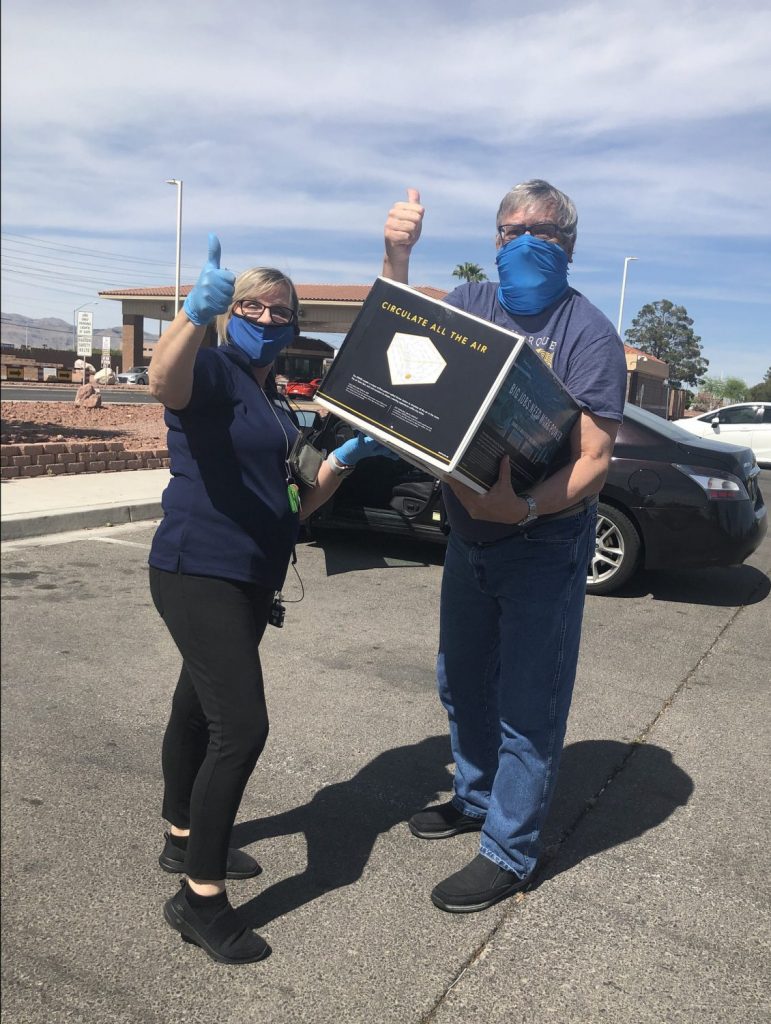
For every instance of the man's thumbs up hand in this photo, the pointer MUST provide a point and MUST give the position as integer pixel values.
(213, 291)
(403, 225)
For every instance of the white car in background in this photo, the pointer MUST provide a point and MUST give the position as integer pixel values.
(136, 375)
(746, 423)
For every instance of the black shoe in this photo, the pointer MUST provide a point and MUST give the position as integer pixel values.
(476, 887)
(240, 864)
(225, 938)
(442, 822)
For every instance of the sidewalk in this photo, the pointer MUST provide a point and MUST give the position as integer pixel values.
(43, 505)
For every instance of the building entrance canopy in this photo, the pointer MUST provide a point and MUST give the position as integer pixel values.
(324, 309)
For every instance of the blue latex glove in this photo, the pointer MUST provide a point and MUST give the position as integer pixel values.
(213, 291)
(361, 447)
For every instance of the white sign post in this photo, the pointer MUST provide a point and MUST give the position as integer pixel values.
(85, 338)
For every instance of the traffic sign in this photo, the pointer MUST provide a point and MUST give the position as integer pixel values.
(85, 347)
(85, 324)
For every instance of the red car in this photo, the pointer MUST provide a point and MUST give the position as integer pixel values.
(303, 388)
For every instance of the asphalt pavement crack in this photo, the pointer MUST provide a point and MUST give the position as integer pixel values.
(480, 951)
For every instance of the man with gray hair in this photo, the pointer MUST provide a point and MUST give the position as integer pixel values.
(514, 576)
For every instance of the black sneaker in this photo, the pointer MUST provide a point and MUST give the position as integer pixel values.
(225, 938)
(240, 865)
(442, 822)
(476, 887)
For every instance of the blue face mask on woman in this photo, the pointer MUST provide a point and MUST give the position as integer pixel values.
(533, 274)
(260, 342)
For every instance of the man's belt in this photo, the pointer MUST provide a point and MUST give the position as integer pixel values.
(581, 506)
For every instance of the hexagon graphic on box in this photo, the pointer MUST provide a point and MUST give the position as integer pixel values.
(413, 359)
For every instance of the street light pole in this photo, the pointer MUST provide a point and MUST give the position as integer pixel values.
(627, 261)
(178, 183)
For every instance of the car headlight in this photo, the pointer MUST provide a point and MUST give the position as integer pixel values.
(717, 487)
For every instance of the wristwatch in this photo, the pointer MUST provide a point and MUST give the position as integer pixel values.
(532, 510)
(337, 467)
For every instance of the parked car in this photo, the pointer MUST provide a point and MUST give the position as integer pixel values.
(671, 500)
(136, 375)
(745, 423)
(302, 388)
(308, 420)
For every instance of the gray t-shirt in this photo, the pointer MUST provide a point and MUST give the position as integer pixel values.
(576, 341)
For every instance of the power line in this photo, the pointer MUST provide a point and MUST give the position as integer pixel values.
(104, 254)
(34, 276)
(33, 324)
(27, 258)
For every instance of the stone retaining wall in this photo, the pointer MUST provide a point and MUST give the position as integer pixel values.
(58, 457)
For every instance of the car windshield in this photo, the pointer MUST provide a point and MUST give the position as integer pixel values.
(137, 369)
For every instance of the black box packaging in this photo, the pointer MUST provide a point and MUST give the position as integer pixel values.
(448, 391)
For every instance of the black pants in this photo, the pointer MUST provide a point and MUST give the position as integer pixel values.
(219, 720)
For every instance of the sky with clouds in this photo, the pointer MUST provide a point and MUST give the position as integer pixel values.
(294, 126)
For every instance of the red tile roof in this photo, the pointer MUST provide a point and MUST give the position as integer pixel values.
(306, 292)
(631, 350)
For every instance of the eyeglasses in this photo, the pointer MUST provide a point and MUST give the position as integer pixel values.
(546, 231)
(251, 309)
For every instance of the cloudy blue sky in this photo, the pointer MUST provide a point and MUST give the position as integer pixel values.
(295, 125)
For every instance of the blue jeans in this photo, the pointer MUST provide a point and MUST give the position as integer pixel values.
(510, 628)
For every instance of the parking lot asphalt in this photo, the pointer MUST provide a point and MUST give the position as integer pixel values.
(653, 900)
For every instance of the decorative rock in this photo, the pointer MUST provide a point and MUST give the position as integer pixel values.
(88, 397)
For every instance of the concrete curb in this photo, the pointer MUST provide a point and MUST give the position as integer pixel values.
(40, 524)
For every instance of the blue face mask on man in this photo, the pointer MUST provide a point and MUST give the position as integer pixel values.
(533, 274)
(260, 342)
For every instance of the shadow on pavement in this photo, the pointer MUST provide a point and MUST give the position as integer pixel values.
(342, 822)
(718, 586)
(354, 552)
(653, 788)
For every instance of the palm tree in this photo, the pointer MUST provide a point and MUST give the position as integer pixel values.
(469, 272)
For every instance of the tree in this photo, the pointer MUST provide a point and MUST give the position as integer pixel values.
(762, 392)
(469, 272)
(728, 389)
(666, 331)
(714, 386)
(735, 389)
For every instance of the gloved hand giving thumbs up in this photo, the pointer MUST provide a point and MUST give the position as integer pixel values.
(213, 291)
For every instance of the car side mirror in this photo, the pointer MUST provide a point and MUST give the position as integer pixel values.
(715, 423)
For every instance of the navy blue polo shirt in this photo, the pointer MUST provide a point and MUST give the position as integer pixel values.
(226, 510)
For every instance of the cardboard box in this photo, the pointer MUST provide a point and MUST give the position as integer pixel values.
(448, 391)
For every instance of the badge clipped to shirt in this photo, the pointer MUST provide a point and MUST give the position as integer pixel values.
(293, 493)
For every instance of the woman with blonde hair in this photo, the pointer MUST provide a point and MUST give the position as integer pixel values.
(220, 554)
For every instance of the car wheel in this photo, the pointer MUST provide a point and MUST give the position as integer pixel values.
(616, 551)
(141, 380)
